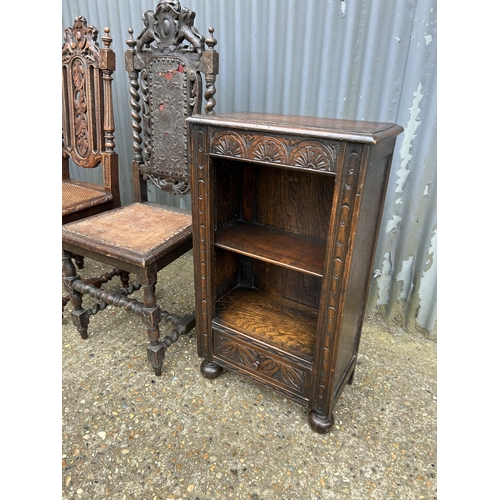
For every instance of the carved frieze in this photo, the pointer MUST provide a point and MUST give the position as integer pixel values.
(306, 154)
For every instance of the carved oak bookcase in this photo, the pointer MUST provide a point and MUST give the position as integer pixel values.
(286, 213)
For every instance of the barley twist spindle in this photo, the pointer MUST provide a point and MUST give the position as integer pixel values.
(211, 69)
(134, 97)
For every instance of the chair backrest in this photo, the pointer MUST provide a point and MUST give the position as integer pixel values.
(164, 64)
(87, 107)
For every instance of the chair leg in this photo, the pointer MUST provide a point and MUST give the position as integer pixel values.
(151, 316)
(79, 315)
(124, 276)
(79, 260)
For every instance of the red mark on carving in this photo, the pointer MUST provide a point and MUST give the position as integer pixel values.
(169, 74)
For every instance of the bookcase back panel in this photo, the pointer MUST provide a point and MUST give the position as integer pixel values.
(295, 201)
(234, 270)
(299, 287)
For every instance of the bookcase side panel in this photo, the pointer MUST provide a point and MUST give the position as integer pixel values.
(372, 188)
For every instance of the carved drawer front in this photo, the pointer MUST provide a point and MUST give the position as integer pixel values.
(263, 364)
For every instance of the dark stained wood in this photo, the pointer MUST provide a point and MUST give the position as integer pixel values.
(324, 128)
(286, 373)
(165, 69)
(228, 275)
(88, 121)
(286, 213)
(368, 226)
(295, 201)
(231, 202)
(297, 286)
(270, 319)
(88, 126)
(282, 248)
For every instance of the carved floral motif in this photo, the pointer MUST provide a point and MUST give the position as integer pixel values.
(268, 149)
(304, 154)
(171, 93)
(168, 26)
(262, 364)
(164, 63)
(311, 157)
(229, 144)
(80, 40)
(80, 108)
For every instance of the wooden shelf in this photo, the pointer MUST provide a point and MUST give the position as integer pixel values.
(269, 318)
(293, 251)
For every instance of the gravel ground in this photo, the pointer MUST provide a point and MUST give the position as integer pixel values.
(127, 434)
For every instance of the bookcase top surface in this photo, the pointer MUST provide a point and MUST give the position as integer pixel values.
(327, 128)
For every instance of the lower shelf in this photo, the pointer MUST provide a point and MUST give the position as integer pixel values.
(267, 338)
(270, 320)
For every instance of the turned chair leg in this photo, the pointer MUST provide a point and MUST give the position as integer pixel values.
(151, 316)
(79, 261)
(79, 316)
(124, 276)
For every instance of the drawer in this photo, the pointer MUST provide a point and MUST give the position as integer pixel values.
(273, 369)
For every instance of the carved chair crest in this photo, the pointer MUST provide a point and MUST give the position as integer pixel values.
(86, 87)
(164, 64)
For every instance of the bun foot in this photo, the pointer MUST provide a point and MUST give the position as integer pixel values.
(319, 423)
(210, 370)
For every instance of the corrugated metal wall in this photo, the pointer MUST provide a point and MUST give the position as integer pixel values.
(354, 59)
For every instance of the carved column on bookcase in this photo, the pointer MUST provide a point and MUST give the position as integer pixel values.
(202, 235)
(321, 417)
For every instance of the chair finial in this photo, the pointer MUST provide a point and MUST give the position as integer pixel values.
(131, 42)
(211, 41)
(106, 38)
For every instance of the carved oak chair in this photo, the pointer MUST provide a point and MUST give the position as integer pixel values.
(87, 121)
(87, 128)
(164, 64)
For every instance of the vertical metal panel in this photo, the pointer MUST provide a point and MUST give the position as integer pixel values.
(353, 59)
